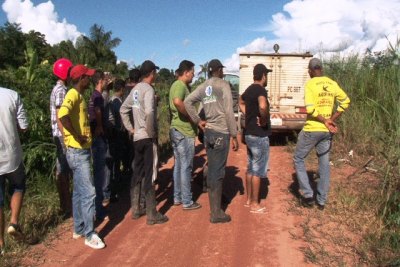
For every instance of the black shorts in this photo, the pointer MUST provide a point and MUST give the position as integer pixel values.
(16, 180)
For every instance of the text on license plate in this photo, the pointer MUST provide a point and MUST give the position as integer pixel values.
(276, 121)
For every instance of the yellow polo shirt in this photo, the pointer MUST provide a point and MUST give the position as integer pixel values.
(74, 106)
(321, 96)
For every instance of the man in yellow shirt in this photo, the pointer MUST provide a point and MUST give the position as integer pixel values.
(321, 96)
(73, 115)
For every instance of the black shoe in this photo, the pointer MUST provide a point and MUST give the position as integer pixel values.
(137, 214)
(221, 219)
(307, 202)
(194, 206)
(320, 206)
(158, 219)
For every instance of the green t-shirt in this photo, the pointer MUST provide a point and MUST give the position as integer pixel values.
(179, 121)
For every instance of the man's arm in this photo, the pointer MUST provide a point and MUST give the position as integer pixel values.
(125, 111)
(242, 105)
(149, 102)
(22, 120)
(263, 109)
(99, 122)
(190, 105)
(67, 124)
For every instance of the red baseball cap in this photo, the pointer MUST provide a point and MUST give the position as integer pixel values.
(80, 70)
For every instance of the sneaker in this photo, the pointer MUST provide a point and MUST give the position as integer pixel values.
(193, 206)
(14, 230)
(94, 242)
(177, 203)
(76, 235)
(320, 206)
(307, 202)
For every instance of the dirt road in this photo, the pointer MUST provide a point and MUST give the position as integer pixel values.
(189, 239)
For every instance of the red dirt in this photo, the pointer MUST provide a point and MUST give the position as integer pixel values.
(189, 239)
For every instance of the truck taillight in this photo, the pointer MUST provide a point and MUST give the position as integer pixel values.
(301, 110)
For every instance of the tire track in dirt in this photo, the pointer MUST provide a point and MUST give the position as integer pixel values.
(188, 239)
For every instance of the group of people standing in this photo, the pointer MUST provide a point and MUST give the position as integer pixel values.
(96, 132)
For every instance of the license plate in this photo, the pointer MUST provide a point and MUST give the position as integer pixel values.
(276, 121)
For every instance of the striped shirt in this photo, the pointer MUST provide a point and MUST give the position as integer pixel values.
(56, 99)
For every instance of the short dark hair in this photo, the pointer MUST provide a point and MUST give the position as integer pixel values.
(259, 70)
(119, 85)
(185, 65)
(134, 75)
(97, 76)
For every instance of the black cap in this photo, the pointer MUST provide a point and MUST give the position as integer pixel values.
(214, 64)
(147, 67)
(260, 69)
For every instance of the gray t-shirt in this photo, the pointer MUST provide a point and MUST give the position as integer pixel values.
(216, 97)
(141, 103)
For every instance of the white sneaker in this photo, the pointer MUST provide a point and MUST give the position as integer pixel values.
(94, 241)
(76, 236)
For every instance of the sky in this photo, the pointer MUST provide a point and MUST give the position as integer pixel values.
(167, 31)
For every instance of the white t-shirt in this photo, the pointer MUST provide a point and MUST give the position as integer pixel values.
(12, 115)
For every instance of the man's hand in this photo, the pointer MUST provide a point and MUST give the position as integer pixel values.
(82, 139)
(202, 125)
(332, 127)
(98, 131)
(261, 122)
(132, 131)
(235, 144)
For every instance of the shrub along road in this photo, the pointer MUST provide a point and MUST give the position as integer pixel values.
(189, 239)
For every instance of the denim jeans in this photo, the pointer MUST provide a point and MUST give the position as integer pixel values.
(257, 155)
(322, 141)
(101, 174)
(183, 152)
(217, 148)
(83, 193)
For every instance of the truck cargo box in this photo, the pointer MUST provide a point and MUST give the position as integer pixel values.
(285, 86)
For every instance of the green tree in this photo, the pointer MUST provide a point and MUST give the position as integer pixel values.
(11, 51)
(96, 50)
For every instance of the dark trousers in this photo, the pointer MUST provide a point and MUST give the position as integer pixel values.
(217, 148)
(143, 164)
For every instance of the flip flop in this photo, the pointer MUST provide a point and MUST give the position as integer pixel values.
(260, 210)
(246, 205)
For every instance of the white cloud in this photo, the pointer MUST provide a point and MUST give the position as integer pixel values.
(186, 42)
(326, 27)
(42, 18)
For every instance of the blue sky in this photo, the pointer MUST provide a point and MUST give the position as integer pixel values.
(167, 31)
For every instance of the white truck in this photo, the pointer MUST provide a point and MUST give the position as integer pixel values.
(285, 86)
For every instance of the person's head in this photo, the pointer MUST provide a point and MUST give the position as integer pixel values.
(61, 68)
(315, 68)
(99, 80)
(119, 86)
(260, 74)
(215, 69)
(185, 72)
(148, 71)
(80, 76)
(134, 76)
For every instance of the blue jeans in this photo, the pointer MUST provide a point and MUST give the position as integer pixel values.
(322, 141)
(257, 155)
(83, 193)
(101, 174)
(184, 152)
(217, 148)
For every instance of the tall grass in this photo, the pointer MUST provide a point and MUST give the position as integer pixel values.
(371, 127)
